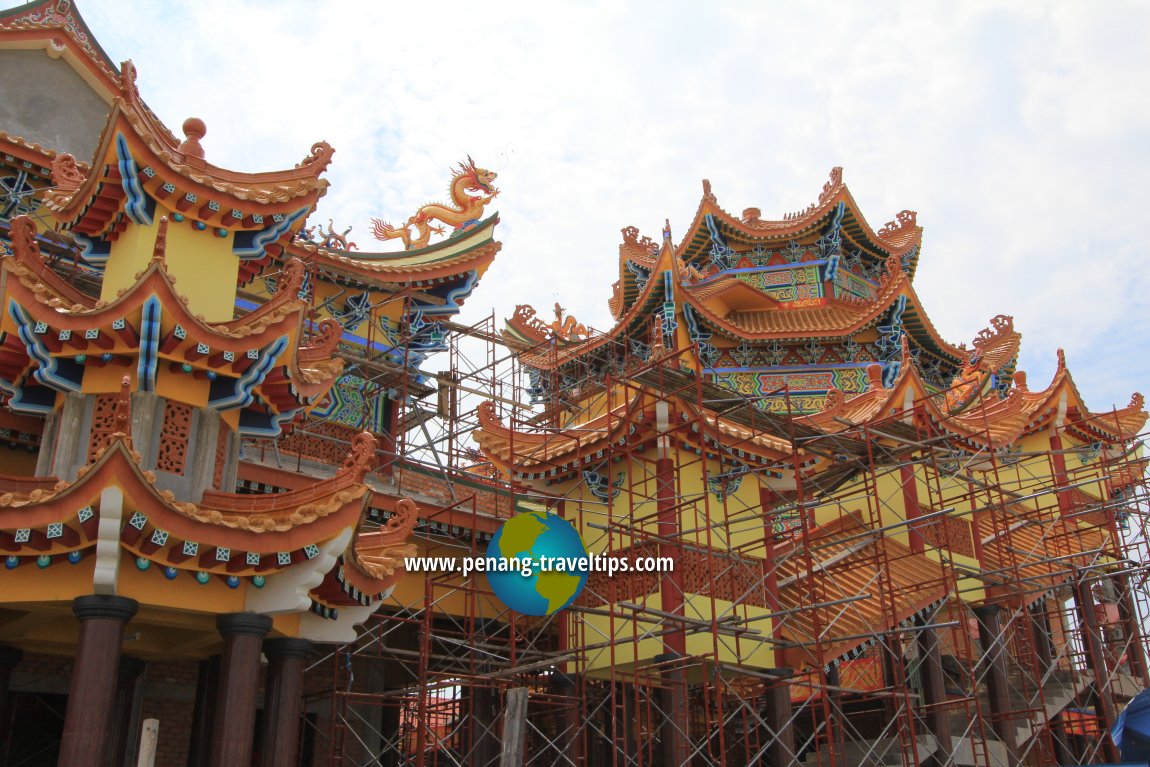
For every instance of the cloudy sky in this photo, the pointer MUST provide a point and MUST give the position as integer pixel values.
(1018, 131)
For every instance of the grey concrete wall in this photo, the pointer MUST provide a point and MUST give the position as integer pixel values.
(45, 101)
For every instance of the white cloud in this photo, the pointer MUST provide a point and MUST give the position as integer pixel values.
(1017, 132)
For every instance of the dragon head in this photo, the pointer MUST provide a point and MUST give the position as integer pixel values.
(481, 179)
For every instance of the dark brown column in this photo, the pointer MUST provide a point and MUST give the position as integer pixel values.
(1131, 629)
(207, 690)
(234, 723)
(993, 665)
(482, 703)
(9, 657)
(283, 701)
(93, 686)
(1096, 659)
(125, 711)
(777, 712)
(933, 683)
(1044, 652)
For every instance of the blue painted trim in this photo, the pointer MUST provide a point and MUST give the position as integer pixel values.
(149, 344)
(251, 246)
(139, 205)
(241, 393)
(48, 371)
(455, 296)
(94, 250)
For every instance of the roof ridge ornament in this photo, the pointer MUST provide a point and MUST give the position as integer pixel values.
(466, 213)
(906, 219)
(22, 233)
(194, 129)
(361, 458)
(160, 250)
(67, 176)
(707, 193)
(122, 413)
(1000, 325)
(292, 277)
(832, 185)
(128, 82)
(320, 156)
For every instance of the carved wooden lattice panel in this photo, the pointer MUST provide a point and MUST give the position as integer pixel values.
(322, 442)
(103, 425)
(174, 437)
(221, 457)
(949, 533)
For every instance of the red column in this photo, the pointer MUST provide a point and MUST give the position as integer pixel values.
(234, 725)
(1059, 460)
(283, 701)
(913, 509)
(673, 693)
(671, 584)
(94, 675)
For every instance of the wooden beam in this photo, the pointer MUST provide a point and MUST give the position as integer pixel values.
(514, 731)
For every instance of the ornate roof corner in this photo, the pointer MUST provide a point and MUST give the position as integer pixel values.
(707, 193)
(904, 221)
(323, 341)
(291, 278)
(834, 183)
(67, 175)
(834, 400)
(318, 158)
(643, 250)
(22, 233)
(361, 459)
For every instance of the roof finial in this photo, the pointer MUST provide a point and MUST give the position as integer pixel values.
(194, 130)
(1020, 380)
(707, 193)
(666, 229)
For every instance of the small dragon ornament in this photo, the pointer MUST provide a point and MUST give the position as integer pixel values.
(471, 189)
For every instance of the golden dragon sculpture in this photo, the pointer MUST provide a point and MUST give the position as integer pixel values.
(471, 189)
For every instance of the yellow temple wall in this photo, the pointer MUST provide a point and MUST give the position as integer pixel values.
(203, 265)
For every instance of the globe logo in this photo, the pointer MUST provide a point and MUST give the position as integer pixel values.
(543, 563)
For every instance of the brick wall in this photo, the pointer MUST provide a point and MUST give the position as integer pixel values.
(169, 696)
(487, 500)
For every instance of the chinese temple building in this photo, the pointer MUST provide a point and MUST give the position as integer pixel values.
(885, 548)
(888, 548)
(199, 404)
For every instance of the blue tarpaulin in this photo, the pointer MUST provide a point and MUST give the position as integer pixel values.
(1131, 732)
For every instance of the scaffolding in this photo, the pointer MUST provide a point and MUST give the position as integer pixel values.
(853, 629)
